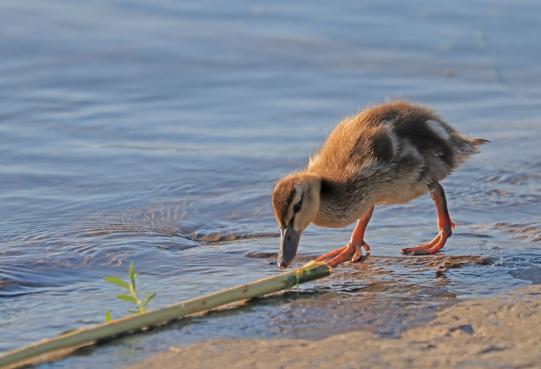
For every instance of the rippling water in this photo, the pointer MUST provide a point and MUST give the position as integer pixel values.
(154, 132)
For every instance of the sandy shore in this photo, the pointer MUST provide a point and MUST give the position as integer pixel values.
(497, 332)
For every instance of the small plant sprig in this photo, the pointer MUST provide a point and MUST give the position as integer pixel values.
(132, 296)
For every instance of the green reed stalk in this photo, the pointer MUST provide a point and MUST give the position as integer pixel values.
(129, 324)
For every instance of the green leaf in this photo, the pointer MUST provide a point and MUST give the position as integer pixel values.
(108, 316)
(131, 274)
(149, 296)
(117, 281)
(127, 298)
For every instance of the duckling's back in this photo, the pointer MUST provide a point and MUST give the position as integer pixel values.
(395, 142)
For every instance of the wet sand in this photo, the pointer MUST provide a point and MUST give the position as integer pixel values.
(497, 332)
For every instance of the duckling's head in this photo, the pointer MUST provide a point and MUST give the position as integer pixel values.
(295, 200)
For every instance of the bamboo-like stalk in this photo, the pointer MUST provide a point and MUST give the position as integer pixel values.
(85, 336)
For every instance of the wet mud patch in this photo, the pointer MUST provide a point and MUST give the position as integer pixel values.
(383, 295)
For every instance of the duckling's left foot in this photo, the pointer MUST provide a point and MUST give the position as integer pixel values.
(353, 250)
(445, 225)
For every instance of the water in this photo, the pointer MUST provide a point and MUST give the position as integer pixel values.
(154, 132)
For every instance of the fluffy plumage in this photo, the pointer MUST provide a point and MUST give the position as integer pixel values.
(386, 154)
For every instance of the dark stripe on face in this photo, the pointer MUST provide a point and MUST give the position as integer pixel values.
(297, 206)
(296, 209)
(283, 194)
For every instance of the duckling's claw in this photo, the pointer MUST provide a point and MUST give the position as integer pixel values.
(351, 252)
(422, 248)
(357, 255)
(428, 248)
(358, 252)
(347, 254)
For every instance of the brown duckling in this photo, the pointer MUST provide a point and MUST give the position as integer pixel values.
(387, 154)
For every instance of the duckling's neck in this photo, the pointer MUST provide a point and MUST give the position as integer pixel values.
(340, 204)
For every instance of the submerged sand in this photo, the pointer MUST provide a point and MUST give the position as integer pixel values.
(497, 332)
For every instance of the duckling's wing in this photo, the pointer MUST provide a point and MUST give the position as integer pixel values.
(422, 136)
(392, 140)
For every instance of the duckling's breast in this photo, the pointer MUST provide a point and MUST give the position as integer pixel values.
(337, 213)
(333, 221)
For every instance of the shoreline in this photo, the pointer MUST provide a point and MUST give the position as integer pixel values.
(501, 331)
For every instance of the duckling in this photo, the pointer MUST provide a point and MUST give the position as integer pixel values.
(387, 154)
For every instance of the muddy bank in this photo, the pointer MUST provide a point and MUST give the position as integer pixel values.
(496, 332)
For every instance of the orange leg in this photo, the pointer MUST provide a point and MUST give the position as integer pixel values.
(445, 226)
(351, 251)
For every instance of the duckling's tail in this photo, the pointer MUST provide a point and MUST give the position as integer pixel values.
(478, 141)
(468, 147)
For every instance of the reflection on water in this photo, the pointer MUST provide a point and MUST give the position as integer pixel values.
(154, 132)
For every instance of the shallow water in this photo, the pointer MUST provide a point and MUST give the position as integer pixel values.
(154, 132)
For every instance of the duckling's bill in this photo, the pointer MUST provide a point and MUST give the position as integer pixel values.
(288, 246)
